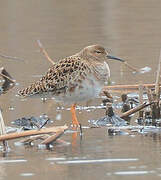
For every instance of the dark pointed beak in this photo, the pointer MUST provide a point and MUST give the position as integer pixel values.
(115, 58)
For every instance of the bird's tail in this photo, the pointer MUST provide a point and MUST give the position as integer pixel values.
(33, 89)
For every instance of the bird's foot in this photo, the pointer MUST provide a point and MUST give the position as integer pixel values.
(75, 122)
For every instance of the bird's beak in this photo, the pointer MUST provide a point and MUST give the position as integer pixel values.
(115, 58)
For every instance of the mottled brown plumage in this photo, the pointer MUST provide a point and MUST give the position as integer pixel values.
(64, 73)
(73, 79)
(86, 68)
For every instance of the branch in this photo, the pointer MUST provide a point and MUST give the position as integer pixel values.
(134, 110)
(3, 132)
(157, 85)
(44, 52)
(52, 138)
(33, 138)
(131, 67)
(32, 132)
(6, 75)
(10, 57)
(127, 87)
(9, 82)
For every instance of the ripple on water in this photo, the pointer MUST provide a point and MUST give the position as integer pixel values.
(13, 161)
(27, 174)
(86, 161)
(133, 172)
(56, 159)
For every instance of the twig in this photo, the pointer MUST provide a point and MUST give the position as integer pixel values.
(52, 138)
(157, 82)
(3, 131)
(107, 94)
(149, 94)
(44, 124)
(12, 80)
(131, 67)
(6, 75)
(32, 132)
(8, 83)
(134, 110)
(10, 57)
(127, 87)
(33, 138)
(44, 52)
(2, 125)
(141, 93)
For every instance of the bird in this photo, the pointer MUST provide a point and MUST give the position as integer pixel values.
(74, 79)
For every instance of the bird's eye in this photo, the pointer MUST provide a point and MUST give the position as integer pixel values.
(98, 52)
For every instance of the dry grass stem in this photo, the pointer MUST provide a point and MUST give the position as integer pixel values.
(53, 138)
(10, 57)
(33, 138)
(141, 88)
(134, 110)
(131, 67)
(44, 52)
(157, 82)
(9, 82)
(3, 131)
(32, 132)
(127, 87)
(149, 94)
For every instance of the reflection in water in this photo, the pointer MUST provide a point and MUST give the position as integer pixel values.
(2, 171)
(13, 161)
(95, 161)
(26, 174)
(132, 172)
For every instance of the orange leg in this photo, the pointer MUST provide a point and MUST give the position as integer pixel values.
(74, 118)
(74, 140)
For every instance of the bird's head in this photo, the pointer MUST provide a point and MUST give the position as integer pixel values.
(97, 53)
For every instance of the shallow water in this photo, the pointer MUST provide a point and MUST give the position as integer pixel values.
(130, 30)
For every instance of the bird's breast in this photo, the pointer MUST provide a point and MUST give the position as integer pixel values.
(101, 72)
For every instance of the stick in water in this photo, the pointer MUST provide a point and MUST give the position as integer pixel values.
(44, 52)
(3, 132)
(131, 67)
(157, 83)
(10, 57)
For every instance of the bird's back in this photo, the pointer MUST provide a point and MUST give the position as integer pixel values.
(59, 77)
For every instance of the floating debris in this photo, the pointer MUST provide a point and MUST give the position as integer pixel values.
(145, 69)
(28, 123)
(8, 83)
(27, 174)
(112, 132)
(58, 117)
(110, 119)
(150, 129)
(11, 108)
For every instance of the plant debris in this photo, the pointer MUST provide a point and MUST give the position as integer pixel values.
(8, 83)
(29, 123)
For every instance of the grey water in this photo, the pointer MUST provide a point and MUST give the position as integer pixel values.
(129, 30)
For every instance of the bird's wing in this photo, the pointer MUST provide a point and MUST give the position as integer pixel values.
(60, 76)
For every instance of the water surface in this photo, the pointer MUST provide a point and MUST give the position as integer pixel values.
(130, 30)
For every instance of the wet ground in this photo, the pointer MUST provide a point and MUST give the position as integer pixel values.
(130, 30)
